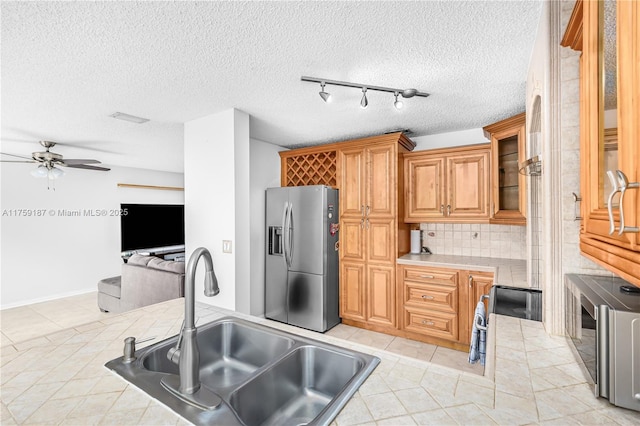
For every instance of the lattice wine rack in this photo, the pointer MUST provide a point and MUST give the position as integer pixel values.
(311, 169)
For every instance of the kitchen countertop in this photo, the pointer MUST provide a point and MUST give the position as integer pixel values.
(61, 379)
(508, 272)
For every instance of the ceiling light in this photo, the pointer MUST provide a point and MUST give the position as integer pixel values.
(406, 93)
(398, 104)
(128, 117)
(326, 96)
(40, 172)
(55, 173)
(364, 102)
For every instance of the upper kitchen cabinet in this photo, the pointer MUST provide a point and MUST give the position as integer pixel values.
(508, 186)
(606, 32)
(447, 185)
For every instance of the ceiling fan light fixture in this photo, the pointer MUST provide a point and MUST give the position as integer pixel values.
(55, 173)
(398, 104)
(128, 117)
(326, 96)
(364, 102)
(40, 172)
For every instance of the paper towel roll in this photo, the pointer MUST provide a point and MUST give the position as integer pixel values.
(415, 241)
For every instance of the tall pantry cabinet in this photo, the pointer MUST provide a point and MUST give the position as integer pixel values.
(372, 233)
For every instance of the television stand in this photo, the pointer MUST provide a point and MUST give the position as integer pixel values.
(168, 252)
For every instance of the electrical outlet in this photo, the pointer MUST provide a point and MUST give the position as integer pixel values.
(226, 246)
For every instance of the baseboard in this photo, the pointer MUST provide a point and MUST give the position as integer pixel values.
(47, 299)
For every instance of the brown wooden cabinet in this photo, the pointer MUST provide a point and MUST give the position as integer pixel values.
(603, 57)
(437, 305)
(450, 185)
(371, 236)
(508, 186)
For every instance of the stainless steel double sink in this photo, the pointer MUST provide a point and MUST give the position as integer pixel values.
(264, 376)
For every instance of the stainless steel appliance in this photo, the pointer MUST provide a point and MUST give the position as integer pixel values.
(301, 285)
(603, 322)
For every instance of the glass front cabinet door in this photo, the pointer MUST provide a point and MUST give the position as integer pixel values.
(606, 32)
(508, 185)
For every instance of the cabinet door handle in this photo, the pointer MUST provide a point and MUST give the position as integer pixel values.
(367, 223)
(448, 209)
(427, 297)
(361, 223)
(362, 210)
(614, 185)
(426, 276)
(426, 322)
(470, 280)
(368, 210)
(624, 185)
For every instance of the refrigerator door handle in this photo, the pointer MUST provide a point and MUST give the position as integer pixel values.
(291, 231)
(285, 213)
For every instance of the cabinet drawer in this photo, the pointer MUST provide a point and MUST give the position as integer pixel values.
(433, 323)
(429, 296)
(431, 276)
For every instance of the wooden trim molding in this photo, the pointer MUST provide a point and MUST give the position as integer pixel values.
(164, 188)
(506, 124)
(573, 34)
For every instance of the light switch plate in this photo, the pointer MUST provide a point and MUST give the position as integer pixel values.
(226, 246)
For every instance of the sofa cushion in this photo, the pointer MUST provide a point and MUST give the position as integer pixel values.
(140, 260)
(166, 265)
(110, 286)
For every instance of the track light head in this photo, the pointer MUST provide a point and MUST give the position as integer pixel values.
(409, 93)
(326, 96)
(364, 102)
(398, 104)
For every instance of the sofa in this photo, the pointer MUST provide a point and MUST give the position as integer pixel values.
(145, 280)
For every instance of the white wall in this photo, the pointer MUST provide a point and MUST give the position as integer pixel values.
(52, 256)
(216, 200)
(450, 139)
(265, 173)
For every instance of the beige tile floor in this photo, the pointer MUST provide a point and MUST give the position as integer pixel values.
(61, 378)
(27, 322)
(39, 319)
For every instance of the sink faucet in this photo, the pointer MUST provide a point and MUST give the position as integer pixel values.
(186, 353)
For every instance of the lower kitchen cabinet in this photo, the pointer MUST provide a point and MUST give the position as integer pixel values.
(352, 291)
(368, 295)
(430, 304)
(438, 304)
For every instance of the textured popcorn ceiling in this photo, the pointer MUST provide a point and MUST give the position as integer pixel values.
(67, 65)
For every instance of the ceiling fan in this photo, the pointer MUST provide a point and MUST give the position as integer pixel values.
(49, 160)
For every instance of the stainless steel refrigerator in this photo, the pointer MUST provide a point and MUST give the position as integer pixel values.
(301, 283)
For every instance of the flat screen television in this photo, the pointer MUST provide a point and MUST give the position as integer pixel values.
(151, 225)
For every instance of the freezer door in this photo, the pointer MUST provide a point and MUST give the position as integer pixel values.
(308, 227)
(275, 266)
(306, 301)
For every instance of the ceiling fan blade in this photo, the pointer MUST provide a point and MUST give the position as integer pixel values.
(15, 155)
(17, 161)
(75, 161)
(87, 167)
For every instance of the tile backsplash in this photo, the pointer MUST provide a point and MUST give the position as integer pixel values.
(465, 239)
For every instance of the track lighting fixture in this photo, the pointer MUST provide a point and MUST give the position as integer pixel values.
(398, 104)
(364, 102)
(326, 96)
